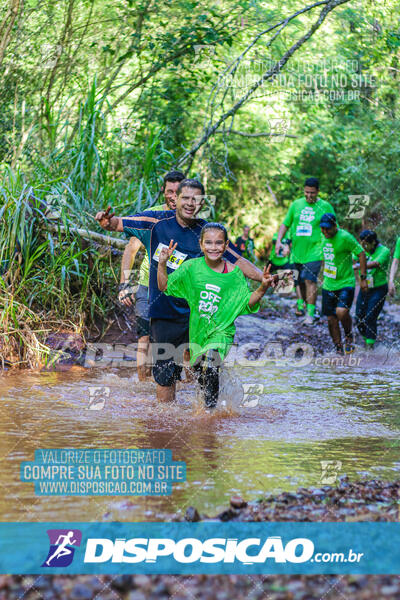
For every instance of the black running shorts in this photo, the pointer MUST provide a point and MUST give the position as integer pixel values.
(168, 341)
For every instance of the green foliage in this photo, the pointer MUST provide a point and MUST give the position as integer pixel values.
(44, 277)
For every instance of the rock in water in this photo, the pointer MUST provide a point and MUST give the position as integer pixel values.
(192, 515)
(238, 502)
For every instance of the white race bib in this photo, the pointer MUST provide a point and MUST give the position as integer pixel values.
(304, 229)
(174, 261)
(370, 279)
(330, 271)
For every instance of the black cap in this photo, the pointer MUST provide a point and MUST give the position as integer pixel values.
(328, 220)
(368, 235)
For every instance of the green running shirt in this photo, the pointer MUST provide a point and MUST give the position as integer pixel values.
(215, 301)
(378, 276)
(397, 249)
(338, 260)
(303, 220)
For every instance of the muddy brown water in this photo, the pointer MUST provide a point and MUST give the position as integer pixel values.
(295, 419)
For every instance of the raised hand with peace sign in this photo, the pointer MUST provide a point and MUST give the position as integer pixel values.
(165, 252)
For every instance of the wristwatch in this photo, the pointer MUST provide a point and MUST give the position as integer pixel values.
(363, 277)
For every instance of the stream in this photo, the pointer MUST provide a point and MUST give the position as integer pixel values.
(294, 420)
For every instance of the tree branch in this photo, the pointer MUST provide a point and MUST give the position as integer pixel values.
(233, 67)
(65, 34)
(104, 240)
(271, 192)
(11, 14)
(210, 130)
(255, 135)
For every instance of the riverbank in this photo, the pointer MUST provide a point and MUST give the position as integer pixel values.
(201, 587)
(292, 330)
(365, 500)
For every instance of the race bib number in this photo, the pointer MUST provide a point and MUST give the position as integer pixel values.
(174, 261)
(370, 279)
(304, 229)
(330, 271)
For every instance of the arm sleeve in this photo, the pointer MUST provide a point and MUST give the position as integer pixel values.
(245, 293)
(288, 220)
(141, 224)
(179, 282)
(248, 310)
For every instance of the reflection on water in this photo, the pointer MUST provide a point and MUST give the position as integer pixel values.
(302, 417)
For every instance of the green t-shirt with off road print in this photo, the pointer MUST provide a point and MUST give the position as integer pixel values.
(215, 301)
(303, 219)
(338, 260)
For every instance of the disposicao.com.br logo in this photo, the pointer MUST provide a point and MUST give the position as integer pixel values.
(248, 551)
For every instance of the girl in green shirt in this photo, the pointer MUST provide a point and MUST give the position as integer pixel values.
(217, 293)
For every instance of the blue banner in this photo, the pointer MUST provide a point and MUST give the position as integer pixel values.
(209, 547)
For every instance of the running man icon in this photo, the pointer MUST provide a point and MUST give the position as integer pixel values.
(61, 551)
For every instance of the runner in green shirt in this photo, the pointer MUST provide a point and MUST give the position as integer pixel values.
(339, 280)
(303, 219)
(217, 293)
(370, 303)
(394, 267)
(280, 261)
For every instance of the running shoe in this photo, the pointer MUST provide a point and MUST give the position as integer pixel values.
(299, 312)
(369, 343)
(339, 349)
(308, 320)
(317, 314)
(349, 345)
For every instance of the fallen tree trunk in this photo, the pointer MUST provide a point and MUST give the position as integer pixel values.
(104, 240)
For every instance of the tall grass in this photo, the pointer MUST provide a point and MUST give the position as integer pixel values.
(44, 277)
(51, 281)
